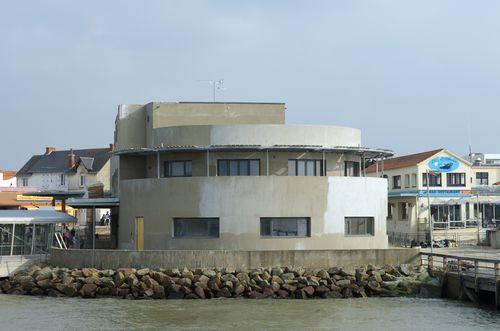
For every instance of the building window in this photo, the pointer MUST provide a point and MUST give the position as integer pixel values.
(396, 181)
(196, 227)
(359, 226)
(82, 180)
(481, 178)
(407, 180)
(178, 168)
(467, 211)
(305, 167)
(390, 208)
(404, 211)
(441, 213)
(241, 167)
(351, 169)
(434, 179)
(413, 180)
(285, 227)
(62, 179)
(455, 179)
(24, 182)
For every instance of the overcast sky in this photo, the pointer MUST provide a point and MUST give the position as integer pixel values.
(413, 75)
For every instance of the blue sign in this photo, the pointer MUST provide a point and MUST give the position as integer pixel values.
(445, 193)
(443, 164)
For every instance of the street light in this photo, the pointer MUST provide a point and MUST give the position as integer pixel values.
(429, 216)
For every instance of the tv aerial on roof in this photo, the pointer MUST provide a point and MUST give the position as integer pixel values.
(217, 85)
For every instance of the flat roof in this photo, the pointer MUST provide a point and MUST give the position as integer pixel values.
(368, 152)
(34, 217)
(93, 202)
(60, 194)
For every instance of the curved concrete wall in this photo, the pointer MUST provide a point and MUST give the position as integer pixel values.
(265, 135)
(240, 202)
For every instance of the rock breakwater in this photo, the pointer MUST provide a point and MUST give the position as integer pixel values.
(277, 282)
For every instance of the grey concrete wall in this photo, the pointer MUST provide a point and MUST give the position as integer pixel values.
(236, 259)
(240, 202)
(262, 134)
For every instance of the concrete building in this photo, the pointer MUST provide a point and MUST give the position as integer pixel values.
(486, 169)
(233, 176)
(452, 207)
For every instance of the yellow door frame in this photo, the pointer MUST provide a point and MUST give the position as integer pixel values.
(139, 233)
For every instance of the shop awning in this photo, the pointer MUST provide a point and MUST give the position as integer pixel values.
(34, 217)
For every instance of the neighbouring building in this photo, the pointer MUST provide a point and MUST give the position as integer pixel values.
(7, 180)
(453, 207)
(67, 170)
(486, 168)
(234, 176)
(67, 173)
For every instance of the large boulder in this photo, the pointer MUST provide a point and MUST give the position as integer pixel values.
(88, 290)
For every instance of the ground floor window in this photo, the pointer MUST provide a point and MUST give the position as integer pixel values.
(390, 208)
(359, 226)
(404, 211)
(196, 227)
(285, 227)
(443, 213)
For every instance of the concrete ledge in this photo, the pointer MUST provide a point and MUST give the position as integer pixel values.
(112, 259)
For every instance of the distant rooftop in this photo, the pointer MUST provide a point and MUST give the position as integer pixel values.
(53, 161)
(403, 161)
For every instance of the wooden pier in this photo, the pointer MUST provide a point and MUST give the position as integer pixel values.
(464, 277)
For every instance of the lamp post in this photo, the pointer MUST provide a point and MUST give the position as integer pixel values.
(429, 216)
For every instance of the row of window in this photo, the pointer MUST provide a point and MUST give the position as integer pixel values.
(251, 167)
(439, 213)
(456, 179)
(269, 227)
(62, 180)
(435, 180)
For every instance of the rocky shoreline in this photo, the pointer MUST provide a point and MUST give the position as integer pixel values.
(277, 282)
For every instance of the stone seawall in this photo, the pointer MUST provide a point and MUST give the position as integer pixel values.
(113, 259)
(276, 282)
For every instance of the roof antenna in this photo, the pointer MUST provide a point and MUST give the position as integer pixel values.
(217, 85)
(470, 141)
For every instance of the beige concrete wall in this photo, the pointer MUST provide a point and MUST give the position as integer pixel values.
(130, 127)
(239, 202)
(161, 115)
(132, 167)
(262, 134)
(111, 259)
(180, 114)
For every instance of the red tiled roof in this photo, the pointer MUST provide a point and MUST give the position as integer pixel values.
(403, 161)
(8, 174)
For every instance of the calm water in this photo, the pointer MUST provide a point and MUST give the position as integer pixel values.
(40, 313)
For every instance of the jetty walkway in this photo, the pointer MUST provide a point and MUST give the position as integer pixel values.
(470, 273)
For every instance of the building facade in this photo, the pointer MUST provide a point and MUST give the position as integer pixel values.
(67, 170)
(234, 176)
(453, 206)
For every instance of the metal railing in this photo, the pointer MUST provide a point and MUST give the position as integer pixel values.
(462, 265)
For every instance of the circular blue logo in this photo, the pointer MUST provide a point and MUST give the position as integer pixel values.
(443, 164)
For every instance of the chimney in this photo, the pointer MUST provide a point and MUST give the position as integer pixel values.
(71, 159)
(49, 150)
(111, 147)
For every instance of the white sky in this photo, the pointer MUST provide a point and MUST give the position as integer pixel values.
(413, 75)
